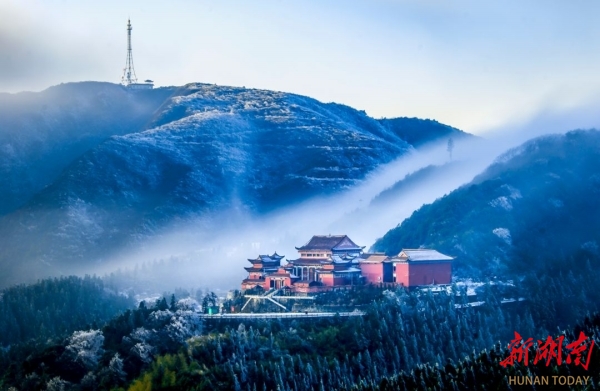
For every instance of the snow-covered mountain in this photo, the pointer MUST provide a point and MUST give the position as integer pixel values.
(535, 209)
(42, 133)
(90, 168)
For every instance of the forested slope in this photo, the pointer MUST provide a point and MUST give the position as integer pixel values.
(530, 210)
(54, 308)
(90, 170)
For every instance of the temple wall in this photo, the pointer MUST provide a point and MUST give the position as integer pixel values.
(429, 273)
(402, 276)
(372, 272)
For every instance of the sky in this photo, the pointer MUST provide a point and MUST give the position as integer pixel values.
(476, 65)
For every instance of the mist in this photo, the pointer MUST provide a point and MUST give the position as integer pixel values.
(211, 252)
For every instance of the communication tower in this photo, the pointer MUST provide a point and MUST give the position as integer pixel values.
(129, 78)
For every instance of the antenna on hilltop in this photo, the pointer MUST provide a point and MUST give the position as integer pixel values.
(129, 78)
(129, 71)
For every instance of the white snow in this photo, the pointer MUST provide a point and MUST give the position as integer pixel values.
(504, 234)
(86, 347)
(473, 304)
(425, 255)
(514, 192)
(470, 285)
(502, 202)
(143, 351)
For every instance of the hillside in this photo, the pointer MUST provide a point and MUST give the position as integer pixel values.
(115, 167)
(418, 132)
(54, 308)
(42, 133)
(414, 179)
(535, 207)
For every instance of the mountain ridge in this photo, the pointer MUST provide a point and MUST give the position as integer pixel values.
(533, 208)
(196, 150)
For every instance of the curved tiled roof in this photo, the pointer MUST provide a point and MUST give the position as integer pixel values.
(374, 258)
(275, 258)
(253, 269)
(330, 242)
(307, 262)
(423, 254)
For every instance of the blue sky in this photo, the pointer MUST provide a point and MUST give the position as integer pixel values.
(473, 64)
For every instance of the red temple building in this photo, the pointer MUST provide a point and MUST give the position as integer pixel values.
(376, 268)
(326, 261)
(333, 261)
(414, 267)
(410, 268)
(262, 266)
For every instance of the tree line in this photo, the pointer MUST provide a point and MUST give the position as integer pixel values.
(54, 308)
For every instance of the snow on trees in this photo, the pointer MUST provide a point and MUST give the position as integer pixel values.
(143, 351)
(56, 384)
(85, 347)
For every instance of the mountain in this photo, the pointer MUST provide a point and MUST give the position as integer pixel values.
(414, 179)
(418, 132)
(103, 167)
(42, 133)
(535, 208)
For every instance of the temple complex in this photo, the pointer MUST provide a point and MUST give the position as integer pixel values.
(328, 261)
(262, 266)
(335, 261)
